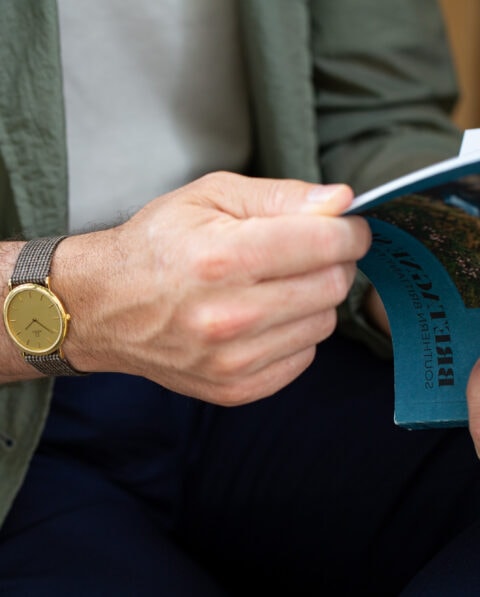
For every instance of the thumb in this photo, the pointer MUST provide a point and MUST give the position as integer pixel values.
(473, 400)
(328, 200)
(245, 196)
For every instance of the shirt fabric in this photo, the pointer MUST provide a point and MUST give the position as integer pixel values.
(155, 96)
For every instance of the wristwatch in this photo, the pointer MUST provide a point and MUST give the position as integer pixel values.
(34, 316)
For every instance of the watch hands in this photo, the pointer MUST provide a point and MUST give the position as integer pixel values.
(41, 324)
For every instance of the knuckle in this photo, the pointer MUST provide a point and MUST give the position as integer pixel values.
(235, 394)
(214, 325)
(366, 239)
(212, 266)
(216, 177)
(340, 281)
(330, 322)
(322, 326)
(328, 241)
(301, 361)
(231, 366)
(362, 235)
(350, 237)
(218, 181)
(275, 196)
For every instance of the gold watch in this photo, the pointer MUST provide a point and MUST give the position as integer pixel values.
(34, 316)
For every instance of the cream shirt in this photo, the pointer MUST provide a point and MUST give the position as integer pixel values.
(155, 96)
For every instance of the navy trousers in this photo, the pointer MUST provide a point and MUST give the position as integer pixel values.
(135, 490)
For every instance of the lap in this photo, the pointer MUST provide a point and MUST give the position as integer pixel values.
(106, 547)
(94, 514)
(318, 487)
(312, 487)
(454, 570)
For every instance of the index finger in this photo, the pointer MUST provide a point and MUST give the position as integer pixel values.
(289, 245)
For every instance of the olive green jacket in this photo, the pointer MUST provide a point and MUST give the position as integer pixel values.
(337, 94)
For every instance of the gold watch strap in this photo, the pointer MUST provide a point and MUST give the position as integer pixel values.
(33, 265)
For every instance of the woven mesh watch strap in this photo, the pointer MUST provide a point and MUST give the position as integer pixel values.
(51, 364)
(33, 265)
(33, 262)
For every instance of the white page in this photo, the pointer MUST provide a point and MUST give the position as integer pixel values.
(469, 154)
(470, 142)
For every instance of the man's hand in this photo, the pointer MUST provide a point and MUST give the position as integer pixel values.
(219, 290)
(473, 399)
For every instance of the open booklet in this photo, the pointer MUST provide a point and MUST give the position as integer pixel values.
(425, 264)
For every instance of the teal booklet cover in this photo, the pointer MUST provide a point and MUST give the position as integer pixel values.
(425, 264)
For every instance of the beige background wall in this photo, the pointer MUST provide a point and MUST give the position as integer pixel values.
(463, 26)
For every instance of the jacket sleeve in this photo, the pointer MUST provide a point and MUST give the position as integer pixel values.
(385, 87)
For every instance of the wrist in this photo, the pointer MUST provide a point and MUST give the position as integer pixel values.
(34, 316)
(80, 274)
(12, 365)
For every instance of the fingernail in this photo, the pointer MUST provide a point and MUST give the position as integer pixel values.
(323, 193)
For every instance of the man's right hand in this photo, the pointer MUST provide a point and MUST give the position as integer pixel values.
(218, 290)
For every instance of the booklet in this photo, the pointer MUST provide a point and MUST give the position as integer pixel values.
(425, 264)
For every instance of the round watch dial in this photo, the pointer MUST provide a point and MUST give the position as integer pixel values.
(35, 319)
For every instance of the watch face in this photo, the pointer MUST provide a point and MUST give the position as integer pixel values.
(35, 319)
